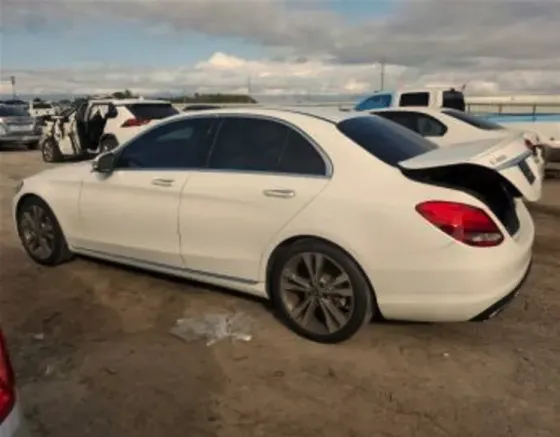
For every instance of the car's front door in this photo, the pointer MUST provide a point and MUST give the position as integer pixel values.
(260, 174)
(132, 212)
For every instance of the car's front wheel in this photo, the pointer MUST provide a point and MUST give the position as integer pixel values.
(320, 292)
(40, 233)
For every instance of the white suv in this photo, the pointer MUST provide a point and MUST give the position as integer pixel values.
(97, 126)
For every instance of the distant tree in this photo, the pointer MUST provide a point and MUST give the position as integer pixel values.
(126, 94)
(37, 100)
(212, 98)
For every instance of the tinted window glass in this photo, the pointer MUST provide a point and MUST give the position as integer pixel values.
(423, 124)
(473, 120)
(300, 157)
(248, 144)
(181, 144)
(385, 140)
(454, 99)
(415, 99)
(42, 105)
(152, 111)
(13, 111)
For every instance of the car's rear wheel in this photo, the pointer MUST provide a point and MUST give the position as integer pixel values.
(320, 292)
(50, 151)
(40, 233)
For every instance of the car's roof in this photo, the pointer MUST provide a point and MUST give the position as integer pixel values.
(423, 109)
(332, 115)
(118, 102)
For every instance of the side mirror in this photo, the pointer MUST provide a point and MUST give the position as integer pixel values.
(104, 163)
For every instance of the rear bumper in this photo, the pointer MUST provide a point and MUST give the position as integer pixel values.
(500, 304)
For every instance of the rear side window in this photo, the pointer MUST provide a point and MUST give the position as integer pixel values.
(13, 111)
(473, 120)
(424, 124)
(152, 111)
(255, 144)
(248, 144)
(415, 99)
(300, 157)
(384, 139)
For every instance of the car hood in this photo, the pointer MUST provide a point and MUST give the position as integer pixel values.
(67, 172)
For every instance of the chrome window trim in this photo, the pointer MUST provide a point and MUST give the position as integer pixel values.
(329, 169)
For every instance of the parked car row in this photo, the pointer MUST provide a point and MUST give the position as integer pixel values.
(336, 217)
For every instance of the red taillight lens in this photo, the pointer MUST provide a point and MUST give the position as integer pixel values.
(133, 122)
(7, 390)
(465, 223)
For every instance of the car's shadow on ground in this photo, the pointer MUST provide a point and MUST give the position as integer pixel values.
(377, 319)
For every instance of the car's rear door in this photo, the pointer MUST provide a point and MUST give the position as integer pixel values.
(132, 213)
(260, 174)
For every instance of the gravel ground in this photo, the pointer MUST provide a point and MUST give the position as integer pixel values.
(94, 357)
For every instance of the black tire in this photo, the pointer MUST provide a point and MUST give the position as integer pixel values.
(60, 252)
(50, 151)
(107, 144)
(362, 296)
(33, 146)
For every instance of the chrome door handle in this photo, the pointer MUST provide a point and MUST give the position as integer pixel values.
(285, 194)
(162, 182)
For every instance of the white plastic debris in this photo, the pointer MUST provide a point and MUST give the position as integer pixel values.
(213, 328)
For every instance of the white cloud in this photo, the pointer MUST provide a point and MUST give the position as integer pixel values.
(495, 45)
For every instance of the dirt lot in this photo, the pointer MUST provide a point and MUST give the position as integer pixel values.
(107, 365)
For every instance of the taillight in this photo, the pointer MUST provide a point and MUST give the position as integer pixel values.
(133, 122)
(467, 224)
(7, 390)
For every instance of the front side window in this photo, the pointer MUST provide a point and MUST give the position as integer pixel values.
(179, 145)
(387, 141)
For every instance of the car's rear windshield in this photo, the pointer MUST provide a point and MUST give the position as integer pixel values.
(152, 111)
(41, 105)
(387, 141)
(13, 111)
(473, 120)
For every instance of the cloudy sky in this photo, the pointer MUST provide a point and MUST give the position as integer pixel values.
(284, 46)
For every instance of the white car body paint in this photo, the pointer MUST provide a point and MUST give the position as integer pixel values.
(218, 227)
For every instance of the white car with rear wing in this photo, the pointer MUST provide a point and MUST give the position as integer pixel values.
(96, 126)
(334, 216)
(448, 127)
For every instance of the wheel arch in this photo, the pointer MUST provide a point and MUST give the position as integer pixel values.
(28, 196)
(287, 242)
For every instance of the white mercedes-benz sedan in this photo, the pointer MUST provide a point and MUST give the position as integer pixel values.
(334, 216)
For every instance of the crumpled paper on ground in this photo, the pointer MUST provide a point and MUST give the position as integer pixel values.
(213, 328)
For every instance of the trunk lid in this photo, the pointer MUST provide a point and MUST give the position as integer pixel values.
(508, 156)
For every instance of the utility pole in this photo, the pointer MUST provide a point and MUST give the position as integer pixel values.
(382, 72)
(13, 80)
